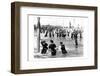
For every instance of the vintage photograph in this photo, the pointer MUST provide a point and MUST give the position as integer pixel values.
(58, 36)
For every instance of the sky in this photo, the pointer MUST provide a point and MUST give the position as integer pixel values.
(62, 21)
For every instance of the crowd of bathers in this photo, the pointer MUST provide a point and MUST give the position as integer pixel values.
(52, 48)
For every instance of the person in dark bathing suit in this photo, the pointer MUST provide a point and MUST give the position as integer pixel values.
(76, 37)
(52, 47)
(63, 48)
(45, 47)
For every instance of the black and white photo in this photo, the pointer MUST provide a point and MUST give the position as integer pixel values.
(58, 36)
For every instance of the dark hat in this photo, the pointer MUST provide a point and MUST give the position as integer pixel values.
(51, 41)
(61, 42)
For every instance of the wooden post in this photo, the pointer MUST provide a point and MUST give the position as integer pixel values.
(38, 34)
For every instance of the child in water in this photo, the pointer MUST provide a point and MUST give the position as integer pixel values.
(63, 48)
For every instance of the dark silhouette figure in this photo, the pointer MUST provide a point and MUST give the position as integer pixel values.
(52, 47)
(68, 33)
(57, 34)
(72, 35)
(45, 47)
(46, 34)
(76, 37)
(49, 34)
(63, 48)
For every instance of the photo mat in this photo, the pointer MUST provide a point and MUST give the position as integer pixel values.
(60, 29)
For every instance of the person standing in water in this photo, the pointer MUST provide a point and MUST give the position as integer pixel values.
(63, 49)
(52, 47)
(76, 38)
(45, 47)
